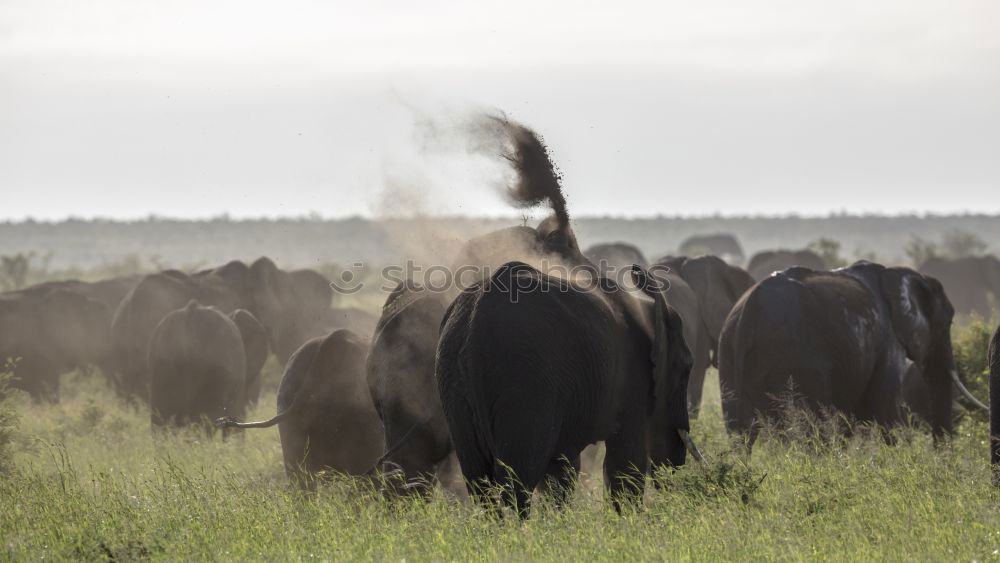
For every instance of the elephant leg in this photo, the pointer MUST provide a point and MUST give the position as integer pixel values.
(696, 382)
(560, 479)
(295, 450)
(524, 438)
(473, 457)
(625, 466)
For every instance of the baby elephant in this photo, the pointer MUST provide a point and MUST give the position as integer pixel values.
(326, 418)
(197, 366)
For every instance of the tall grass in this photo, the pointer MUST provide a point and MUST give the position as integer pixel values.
(90, 482)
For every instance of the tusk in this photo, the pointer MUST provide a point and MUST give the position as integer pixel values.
(689, 444)
(965, 392)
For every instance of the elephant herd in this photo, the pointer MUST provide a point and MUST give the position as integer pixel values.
(539, 351)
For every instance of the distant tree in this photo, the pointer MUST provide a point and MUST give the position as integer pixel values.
(14, 270)
(960, 244)
(829, 251)
(920, 250)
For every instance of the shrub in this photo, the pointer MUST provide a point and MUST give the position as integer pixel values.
(971, 345)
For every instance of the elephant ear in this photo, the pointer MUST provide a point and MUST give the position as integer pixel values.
(909, 303)
(669, 352)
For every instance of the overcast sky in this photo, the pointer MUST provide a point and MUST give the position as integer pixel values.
(122, 108)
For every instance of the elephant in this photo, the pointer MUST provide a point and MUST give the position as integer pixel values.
(718, 286)
(994, 362)
(845, 339)
(255, 351)
(197, 368)
(531, 368)
(765, 262)
(972, 282)
(47, 332)
(291, 306)
(617, 255)
(326, 418)
(723, 245)
(400, 372)
(109, 291)
(152, 299)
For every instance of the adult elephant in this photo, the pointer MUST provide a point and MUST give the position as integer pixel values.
(45, 333)
(531, 368)
(972, 282)
(291, 305)
(718, 286)
(197, 368)
(844, 339)
(617, 255)
(400, 372)
(766, 262)
(718, 244)
(152, 299)
(326, 419)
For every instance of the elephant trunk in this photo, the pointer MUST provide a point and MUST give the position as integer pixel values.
(994, 360)
(939, 369)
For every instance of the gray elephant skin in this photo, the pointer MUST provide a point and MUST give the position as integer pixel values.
(718, 286)
(972, 282)
(531, 370)
(197, 368)
(326, 418)
(766, 262)
(845, 340)
(48, 330)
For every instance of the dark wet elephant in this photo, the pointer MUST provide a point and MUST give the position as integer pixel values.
(972, 282)
(617, 255)
(532, 368)
(45, 333)
(255, 350)
(723, 245)
(844, 339)
(766, 262)
(718, 286)
(325, 418)
(400, 371)
(197, 368)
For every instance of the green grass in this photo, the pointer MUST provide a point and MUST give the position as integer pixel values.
(90, 482)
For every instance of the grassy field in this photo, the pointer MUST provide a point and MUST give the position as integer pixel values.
(90, 482)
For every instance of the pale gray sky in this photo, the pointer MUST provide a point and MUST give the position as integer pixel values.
(121, 108)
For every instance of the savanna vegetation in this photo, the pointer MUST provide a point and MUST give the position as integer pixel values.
(85, 479)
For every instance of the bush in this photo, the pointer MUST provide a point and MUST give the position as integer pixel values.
(8, 423)
(971, 345)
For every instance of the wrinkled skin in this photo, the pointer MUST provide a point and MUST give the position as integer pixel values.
(972, 283)
(723, 245)
(255, 350)
(846, 339)
(528, 377)
(197, 368)
(47, 332)
(400, 372)
(331, 422)
(764, 263)
(617, 255)
(718, 287)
